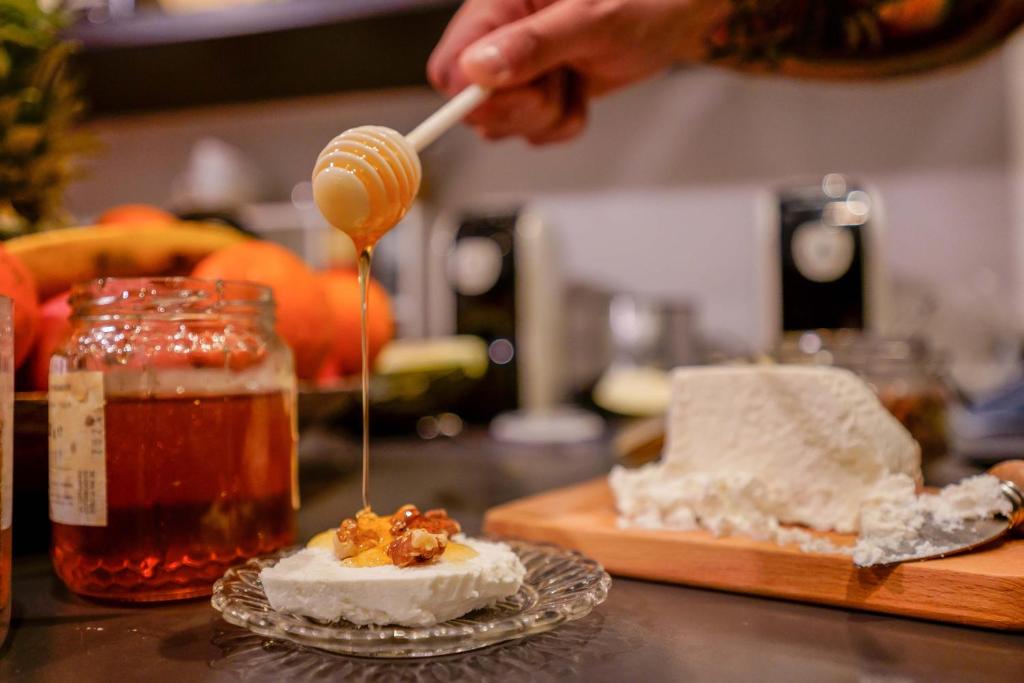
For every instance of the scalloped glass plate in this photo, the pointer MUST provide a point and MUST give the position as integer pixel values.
(560, 586)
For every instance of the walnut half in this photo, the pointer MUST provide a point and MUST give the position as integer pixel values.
(416, 546)
(435, 521)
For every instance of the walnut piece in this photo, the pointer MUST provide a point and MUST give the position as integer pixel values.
(435, 521)
(400, 520)
(416, 546)
(353, 538)
(407, 537)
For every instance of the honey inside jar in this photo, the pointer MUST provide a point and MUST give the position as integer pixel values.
(211, 487)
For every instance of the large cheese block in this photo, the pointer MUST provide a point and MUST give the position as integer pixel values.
(750, 447)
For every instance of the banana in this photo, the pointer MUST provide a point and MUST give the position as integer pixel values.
(61, 258)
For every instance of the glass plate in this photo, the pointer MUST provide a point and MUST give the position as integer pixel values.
(560, 586)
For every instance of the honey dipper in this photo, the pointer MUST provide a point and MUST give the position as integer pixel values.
(366, 178)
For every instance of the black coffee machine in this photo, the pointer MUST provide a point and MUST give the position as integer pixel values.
(821, 250)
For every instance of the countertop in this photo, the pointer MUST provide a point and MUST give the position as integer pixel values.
(644, 632)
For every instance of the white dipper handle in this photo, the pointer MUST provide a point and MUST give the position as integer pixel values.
(447, 116)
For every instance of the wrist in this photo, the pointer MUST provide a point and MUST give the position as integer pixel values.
(697, 23)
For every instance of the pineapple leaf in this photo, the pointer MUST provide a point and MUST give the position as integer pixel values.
(39, 109)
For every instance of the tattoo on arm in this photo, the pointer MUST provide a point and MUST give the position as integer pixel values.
(860, 38)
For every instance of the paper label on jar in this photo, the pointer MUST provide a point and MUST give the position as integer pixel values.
(78, 449)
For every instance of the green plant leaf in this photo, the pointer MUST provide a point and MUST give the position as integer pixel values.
(20, 35)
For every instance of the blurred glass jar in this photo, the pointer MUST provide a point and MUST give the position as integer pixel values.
(907, 375)
(6, 458)
(172, 437)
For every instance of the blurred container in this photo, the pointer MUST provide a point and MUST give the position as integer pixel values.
(907, 375)
(172, 437)
(624, 346)
(990, 428)
(6, 459)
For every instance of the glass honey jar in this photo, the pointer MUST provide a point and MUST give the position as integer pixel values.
(172, 437)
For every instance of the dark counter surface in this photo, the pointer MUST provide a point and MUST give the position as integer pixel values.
(644, 632)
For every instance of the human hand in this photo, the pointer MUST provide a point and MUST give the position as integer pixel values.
(545, 59)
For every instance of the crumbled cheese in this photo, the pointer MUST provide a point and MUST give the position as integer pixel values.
(890, 525)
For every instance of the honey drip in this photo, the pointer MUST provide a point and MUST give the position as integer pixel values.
(364, 182)
(364, 278)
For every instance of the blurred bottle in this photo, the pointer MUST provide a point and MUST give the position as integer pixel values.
(6, 459)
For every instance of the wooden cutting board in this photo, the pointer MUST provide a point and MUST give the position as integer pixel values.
(983, 588)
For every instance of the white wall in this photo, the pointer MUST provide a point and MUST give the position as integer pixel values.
(660, 194)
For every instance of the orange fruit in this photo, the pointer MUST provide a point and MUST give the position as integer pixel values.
(16, 282)
(54, 325)
(303, 313)
(136, 213)
(342, 286)
(912, 17)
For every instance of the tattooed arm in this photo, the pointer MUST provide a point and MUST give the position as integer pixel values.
(860, 38)
(546, 59)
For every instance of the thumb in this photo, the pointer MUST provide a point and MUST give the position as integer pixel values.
(525, 49)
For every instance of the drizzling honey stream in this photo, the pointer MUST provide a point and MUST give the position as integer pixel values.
(364, 182)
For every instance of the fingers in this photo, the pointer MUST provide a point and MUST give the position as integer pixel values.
(475, 19)
(522, 50)
(519, 111)
(549, 109)
(574, 115)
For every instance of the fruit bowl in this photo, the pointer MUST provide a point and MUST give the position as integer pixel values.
(396, 400)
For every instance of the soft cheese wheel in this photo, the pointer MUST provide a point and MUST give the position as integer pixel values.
(751, 446)
(313, 583)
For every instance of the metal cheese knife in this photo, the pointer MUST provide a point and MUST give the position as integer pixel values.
(941, 542)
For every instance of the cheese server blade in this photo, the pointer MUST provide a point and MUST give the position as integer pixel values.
(933, 542)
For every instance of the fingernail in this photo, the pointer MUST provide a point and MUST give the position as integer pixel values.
(489, 59)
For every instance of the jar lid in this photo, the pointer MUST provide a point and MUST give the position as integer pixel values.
(858, 351)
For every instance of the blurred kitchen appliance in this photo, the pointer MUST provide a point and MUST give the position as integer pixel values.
(471, 289)
(624, 344)
(821, 251)
(497, 275)
(6, 458)
(218, 178)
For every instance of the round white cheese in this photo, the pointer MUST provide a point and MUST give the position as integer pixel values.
(314, 583)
